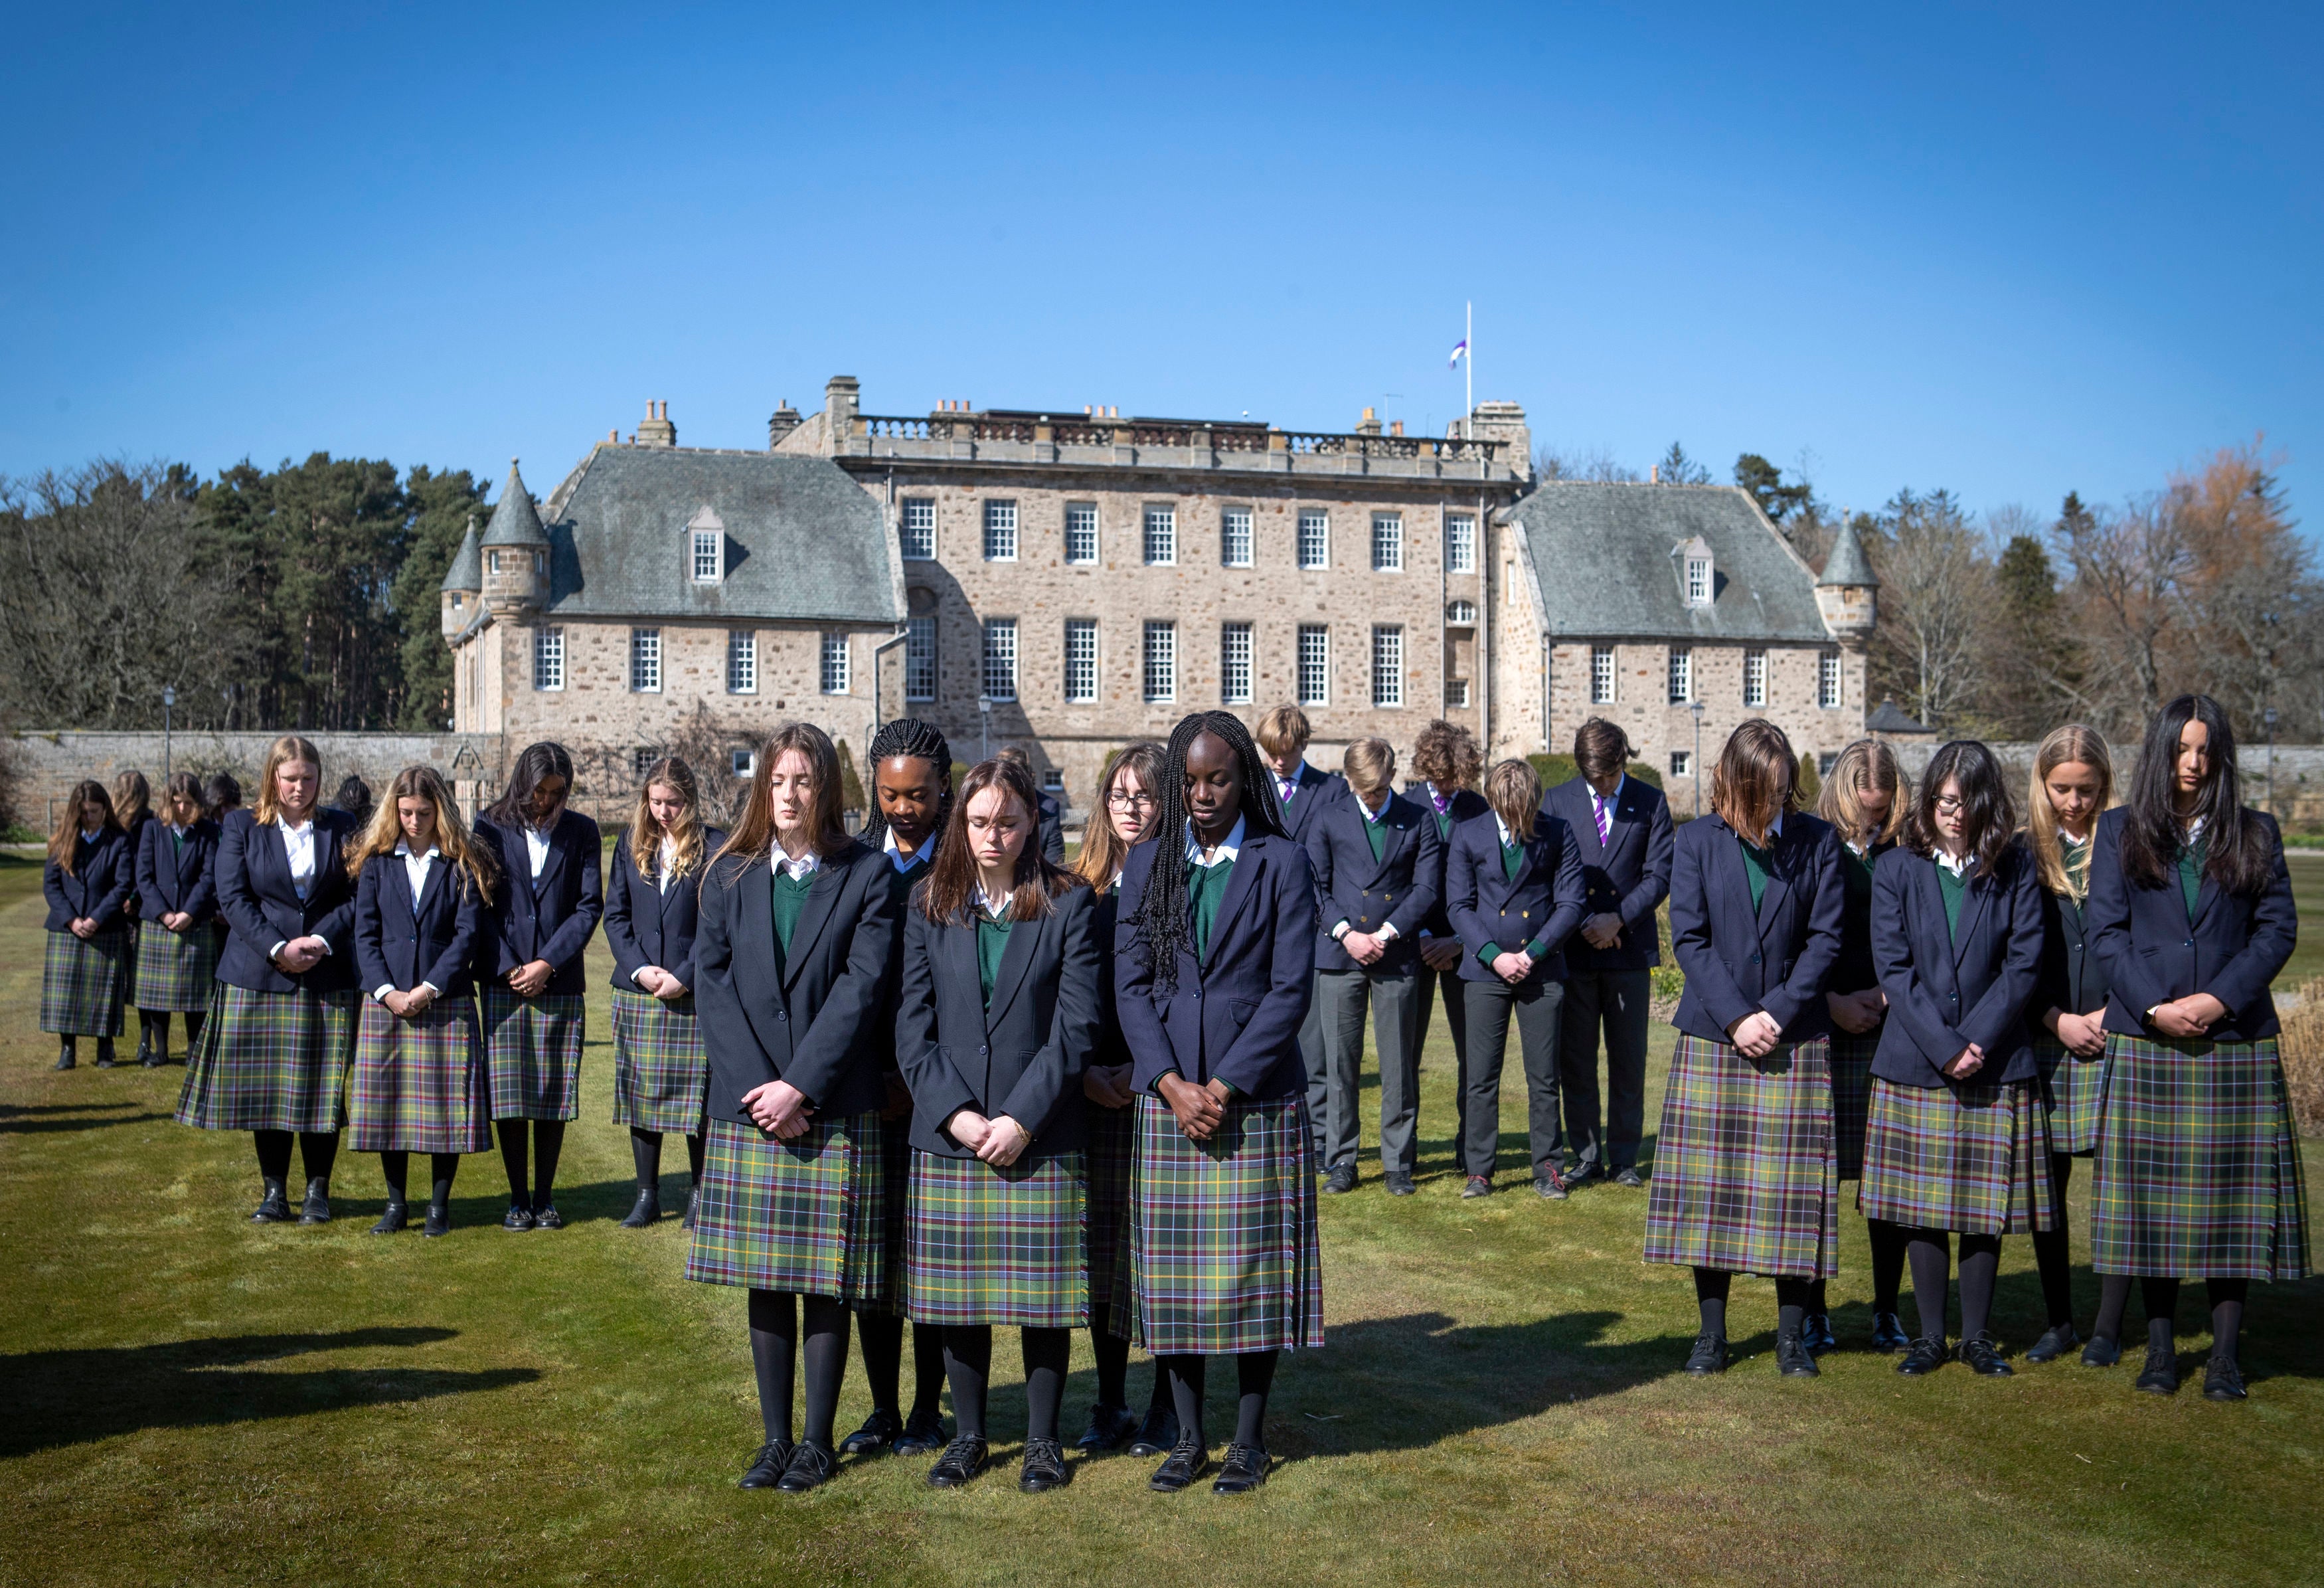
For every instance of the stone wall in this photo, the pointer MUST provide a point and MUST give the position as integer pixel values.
(2299, 780)
(54, 761)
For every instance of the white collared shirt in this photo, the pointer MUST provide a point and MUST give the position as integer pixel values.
(997, 909)
(2195, 831)
(1603, 804)
(535, 844)
(805, 865)
(1227, 850)
(1502, 827)
(1369, 813)
(415, 871)
(299, 850)
(898, 858)
(665, 862)
(91, 835)
(1958, 865)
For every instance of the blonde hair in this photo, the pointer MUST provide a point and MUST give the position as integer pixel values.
(645, 833)
(1513, 789)
(1282, 729)
(1866, 764)
(2063, 747)
(1368, 763)
(452, 838)
(1756, 780)
(289, 748)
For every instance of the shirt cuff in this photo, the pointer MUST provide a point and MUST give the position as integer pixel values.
(1339, 931)
(433, 989)
(1536, 948)
(279, 947)
(1488, 954)
(636, 973)
(379, 993)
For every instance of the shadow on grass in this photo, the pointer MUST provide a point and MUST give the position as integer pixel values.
(14, 1122)
(61, 1398)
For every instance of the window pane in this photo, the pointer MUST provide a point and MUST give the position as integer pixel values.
(1234, 664)
(548, 658)
(1161, 661)
(834, 664)
(742, 662)
(1235, 537)
(1000, 532)
(1828, 679)
(1000, 658)
(706, 556)
(1461, 545)
(1602, 675)
(1456, 693)
(1081, 659)
(1315, 540)
(1681, 763)
(919, 658)
(1314, 664)
(1081, 532)
(919, 532)
(1682, 675)
(1755, 678)
(645, 659)
(1388, 543)
(1388, 665)
(1161, 535)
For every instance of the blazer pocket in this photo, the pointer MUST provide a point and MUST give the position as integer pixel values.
(1241, 1009)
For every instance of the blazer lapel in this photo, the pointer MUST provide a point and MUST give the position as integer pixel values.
(189, 863)
(1249, 860)
(553, 863)
(1015, 959)
(1771, 900)
(1393, 837)
(1974, 899)
(820, 897)
(427, 889)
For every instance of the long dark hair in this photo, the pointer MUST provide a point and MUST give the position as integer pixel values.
(910, 736)
(88, 791)
(1755, 779)
(1988, 815)
(547, 759)
(2239, 856)
(1164, 931)
(947, 898)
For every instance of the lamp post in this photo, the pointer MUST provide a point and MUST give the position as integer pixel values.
(2268, 716)
(169, 699)
(1695, 766)
(984, 721)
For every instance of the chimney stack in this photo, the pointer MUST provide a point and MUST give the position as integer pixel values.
(655, 430)
(781, 423)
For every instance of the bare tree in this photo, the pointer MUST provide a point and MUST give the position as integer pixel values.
(1935, 594)
(2127, 567)
(1596, 466)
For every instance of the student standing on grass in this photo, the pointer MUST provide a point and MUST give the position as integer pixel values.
(177, 949)
(551, 893)
(1866, 799)
(1956, 1141)
(273, 1056)
(1213, 969)
(1448, 763)
(86, 880)
(420, 1083)
(133, 810)
(2198, 1166)
(795, 958)
(1623, 827)
(1745, 1179)
(911, 803)
(2073, 783)
(1302, 793)
(995, 1027)
(1378, 865)
(660, 1075)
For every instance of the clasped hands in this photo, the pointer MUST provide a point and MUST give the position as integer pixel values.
(1108, 1086)
(409, 1005)
(1602, 931)
(1857, 1012)
(1199, 1110)
(999, 1141)
(1514, 967)
(779, 1109)
(1757, 1034)
(530, 979)
(1363, 947)
(2188, 1018)
(300, 954)
(661, 984)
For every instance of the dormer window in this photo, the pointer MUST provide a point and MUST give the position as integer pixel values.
(1697, 581)
(706, 538)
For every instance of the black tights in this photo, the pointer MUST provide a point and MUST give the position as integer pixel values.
(316, 1151)
(153, 1027)
(883, 1361)
(103, 1046)
(547, 1141)
(1931, 1255)
(645, 1157)
(2161, 1299)
(396, 1168)
(968, 1364)
(1112, 1354)
(1793, 1299)
(2050, 1254)
(1254, 1377)
(774, 1349)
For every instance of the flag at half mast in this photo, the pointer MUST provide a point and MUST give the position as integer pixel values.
(1460, 350)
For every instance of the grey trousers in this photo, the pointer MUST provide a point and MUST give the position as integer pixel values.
(1616, 1002)
(1394, 1003)
(1311, 1056)
(1445, 985)
(1539, 1006)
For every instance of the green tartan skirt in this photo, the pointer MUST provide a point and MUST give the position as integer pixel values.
(532, 1047)
(1851, 1097)
(661, 1077)
(2074, 1089)
(806, 1214)
(270, 1061)
(1004, 1246)
(1745, 1178)
(1224, 1251)
(81, 983)
(175, 971)
(2198, 1174)
(1963, 1156)
(418, 1085)
(1112, 1166)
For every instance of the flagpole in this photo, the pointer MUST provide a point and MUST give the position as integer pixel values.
(1468, 339)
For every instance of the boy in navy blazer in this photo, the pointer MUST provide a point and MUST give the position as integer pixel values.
(1301, 795)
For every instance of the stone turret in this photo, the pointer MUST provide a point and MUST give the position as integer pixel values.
(515, 550)
(463, 584)
(1503, 421)
(1846, 590)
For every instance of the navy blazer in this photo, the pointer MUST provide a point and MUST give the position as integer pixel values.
(1949, 989)
(2153, 954)
(1108, 1049)
(1023, 1054)
(550, 917)
(1629, 875)
(2073, 979)
(134, 907)
(263, 909)
(1463, 805)
(1237, 1011)
(811, 1016)
(1399, 889)
(401, 942)
(1543, 904)
(1855, 971)
(1317, 790)
(1778, 961)
(176, 874)
(99, 884)
(1049, 820)
(646, 926)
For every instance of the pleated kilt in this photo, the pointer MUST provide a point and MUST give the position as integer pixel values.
(1112, 1166)
(2074, 1090)
(1745, 1177)
(989, 1245)
(175, 971)
(1967, 1157)
(82, 981)
(2198, 1174)
(270, 1061)
(532, 1047)
(1224, 1245)
(1851, 1098)
(805, 1214)
(418, 1085)
(896, 1171)
(661, 1076)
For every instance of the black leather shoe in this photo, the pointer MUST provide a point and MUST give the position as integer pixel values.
(646, 1211)
(693, 1201)
(2101, 1352)
(877, 1435)
(520, 1218)
(1888, 1336)
(440, 1219)
(1981, 1354)
(1341, 1180)
(1626, 1175)
(767, 1466)
(1550, 1186)
(273, 1208)
(1157, 1435)
(153, 1058)
(105, 1059)
(145, 1050)
(1926, 1356)
(65, 1059)
(1108, 1426)
(1709, 1355)
(1399, 1184)
(392, 1220)
(1181, 1467)
(1579, 1175)
(1477, 1185)
(547, 1218)
(315, 1208)
(1793, 1358)
(961, 1461)
(2161, 1374)
(1044, 1468)
(2058, 1340)
(2223, 1379)
(1815, 1334)
(924, 1435)
(1243, 1469)
(809, 1467)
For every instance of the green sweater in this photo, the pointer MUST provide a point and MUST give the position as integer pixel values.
(1755, 867)
(1206, 885)
(992, 943)
(790, 898)
(2191, 873)
(1950, 888)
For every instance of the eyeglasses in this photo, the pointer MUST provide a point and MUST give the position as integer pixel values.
(1950, 805)
(1130, 801)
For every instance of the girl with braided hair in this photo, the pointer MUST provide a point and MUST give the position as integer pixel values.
(1213, 972)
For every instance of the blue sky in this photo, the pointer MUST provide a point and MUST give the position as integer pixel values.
(2009, 250)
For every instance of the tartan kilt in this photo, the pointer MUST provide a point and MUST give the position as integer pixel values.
(1745, 1178)
(175, 971)
(270, 1061)
(2198, 1174)
(532, 1048)
(2074, 1090)
(989, 1245)
(896, 1173)
(418, 1085)
(1962, 1156)
(803, 1215)
(1851, 1098)
(1223, 1245)
(1112, 1166)
(81, 983)
(661, 1076)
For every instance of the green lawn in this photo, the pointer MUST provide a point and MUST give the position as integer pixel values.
(187, 1399)
(2307, 962)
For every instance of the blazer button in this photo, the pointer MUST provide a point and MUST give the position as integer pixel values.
(2190, 943)
(782, 1014)
(1755, 959)
(983, 1052)
(1526, 914)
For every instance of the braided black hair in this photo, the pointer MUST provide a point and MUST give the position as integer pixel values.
(909, 735)
(1164, 928)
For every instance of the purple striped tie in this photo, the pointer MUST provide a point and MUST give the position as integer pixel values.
(1605, 823)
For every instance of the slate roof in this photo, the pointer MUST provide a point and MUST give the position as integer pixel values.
(804, 541)
(514, 522)
(1891, 719)
(467, 569)
(1847, 564)
(1604, 567)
